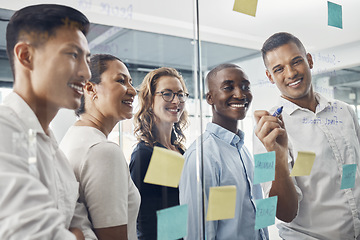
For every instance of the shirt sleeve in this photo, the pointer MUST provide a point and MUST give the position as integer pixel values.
(258, 148)
(356, 122)
(191, 190)
(189, 195)
(26, 206)
(139, 164)
(80, 220)
(153, 197)
(104, 179)
(151, 194)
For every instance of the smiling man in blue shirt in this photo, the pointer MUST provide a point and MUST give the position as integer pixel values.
(226, 160)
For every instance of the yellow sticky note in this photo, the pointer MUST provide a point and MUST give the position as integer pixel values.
(165, 168)
(222, 202)
(246, 6)
(303, 164)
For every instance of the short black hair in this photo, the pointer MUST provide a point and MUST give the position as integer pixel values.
(277, 40)
(215, 70)
(41, 22)
(98, 65)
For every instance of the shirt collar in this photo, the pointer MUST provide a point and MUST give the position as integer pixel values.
(23, 110)
(323, 102)
(290, 107)
(226, 135)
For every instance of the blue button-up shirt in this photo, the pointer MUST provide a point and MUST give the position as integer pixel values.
(226, 161)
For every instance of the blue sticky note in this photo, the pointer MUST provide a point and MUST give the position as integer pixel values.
(172, 222)
(348, 176)
(334, 15)
(265, 212)
(264, 167)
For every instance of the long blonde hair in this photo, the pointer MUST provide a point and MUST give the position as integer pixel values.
(144, 119)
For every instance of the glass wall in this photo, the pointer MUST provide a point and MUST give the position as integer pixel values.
(194, 37)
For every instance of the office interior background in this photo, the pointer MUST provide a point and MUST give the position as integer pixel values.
(195, 36)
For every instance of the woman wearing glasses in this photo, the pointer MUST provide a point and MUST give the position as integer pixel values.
(159, 122)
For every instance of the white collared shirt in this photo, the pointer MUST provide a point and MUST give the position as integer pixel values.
(38, 189)
(333, 134)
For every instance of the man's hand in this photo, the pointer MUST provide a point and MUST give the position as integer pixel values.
(78, 233)
(271, 132)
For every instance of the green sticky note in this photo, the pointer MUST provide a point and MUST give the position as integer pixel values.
(246, 6)
(172, 222)
(303, 164)
(165, 168)
(264, 167)
(334, 15)
(222, 203)
(265, 212)
(348, 176)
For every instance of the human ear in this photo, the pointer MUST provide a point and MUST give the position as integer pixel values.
(90, 90)
(209, 99)
(310, 61)
(269, 76)
(23, 53)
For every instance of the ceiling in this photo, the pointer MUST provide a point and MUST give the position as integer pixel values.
(307, 19)
(142, 51)
(149, 34)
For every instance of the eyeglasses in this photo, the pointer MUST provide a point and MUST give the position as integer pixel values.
(168, 96)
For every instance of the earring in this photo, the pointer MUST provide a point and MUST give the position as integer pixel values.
(94, 97)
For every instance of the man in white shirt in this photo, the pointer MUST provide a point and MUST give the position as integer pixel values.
(49, 55)
(329, 128)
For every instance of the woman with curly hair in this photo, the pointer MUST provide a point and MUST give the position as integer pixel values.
(160, 122)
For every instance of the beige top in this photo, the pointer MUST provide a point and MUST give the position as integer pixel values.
(106, 187)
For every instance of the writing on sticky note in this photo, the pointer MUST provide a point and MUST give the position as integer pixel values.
(265, 212)
(246, 6)
(334, 15)
(264, 167)
(222, 203)
(303, 164)
(172, 222)
(348, 176)
(165, 167)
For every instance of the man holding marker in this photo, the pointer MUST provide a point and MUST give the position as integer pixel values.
(271, 131)
(331, 131)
